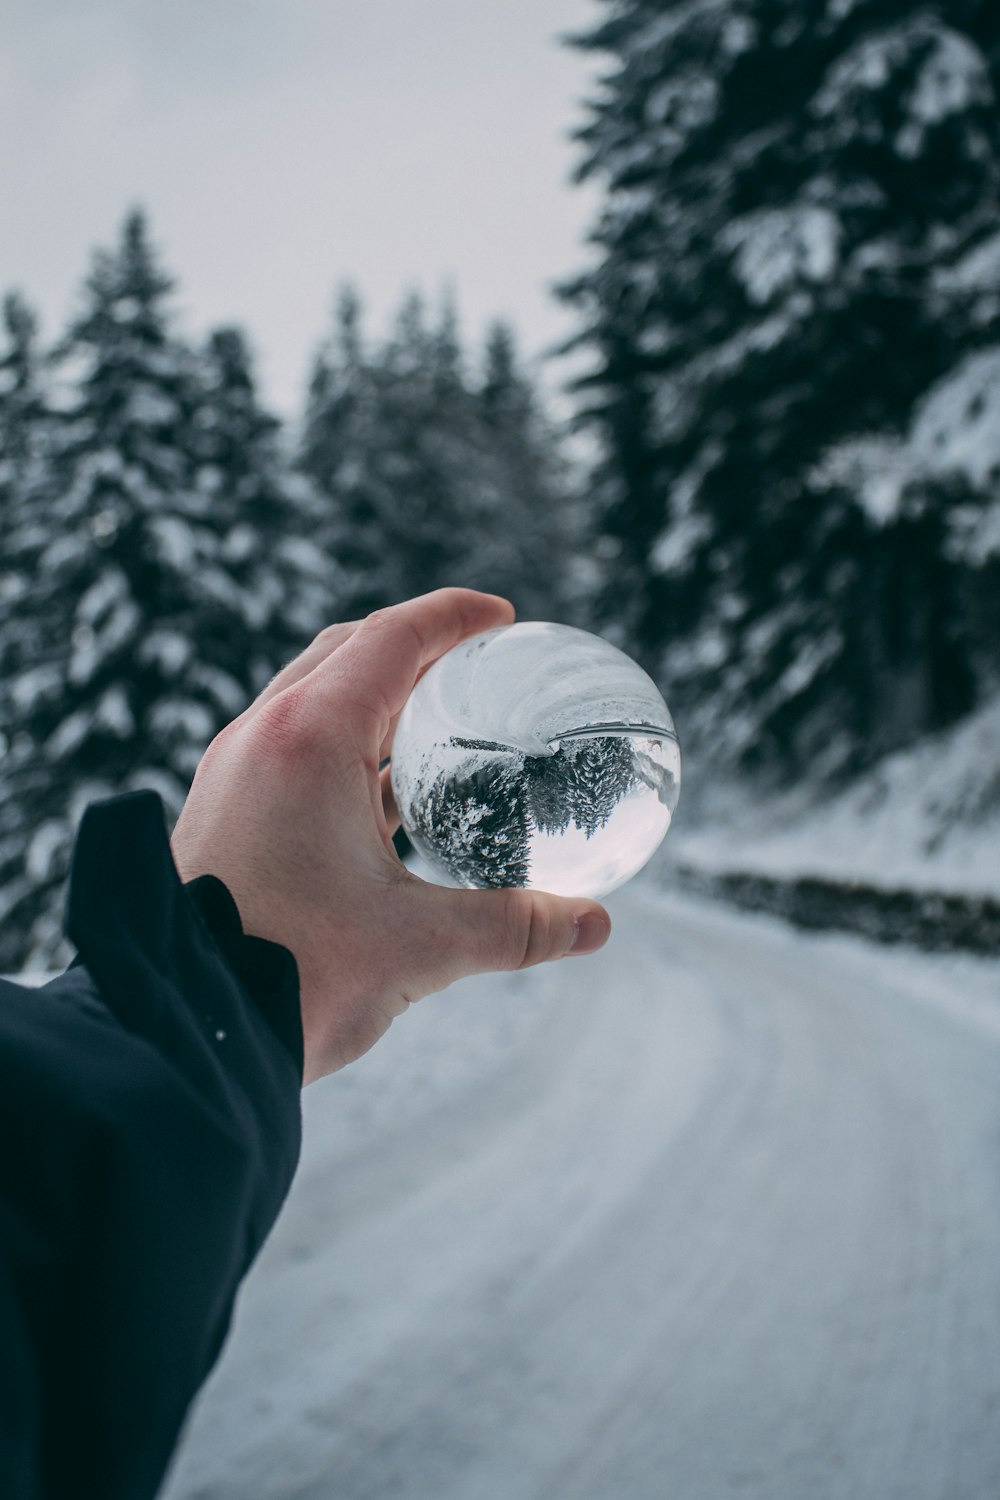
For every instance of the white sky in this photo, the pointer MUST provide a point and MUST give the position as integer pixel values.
(283, 145)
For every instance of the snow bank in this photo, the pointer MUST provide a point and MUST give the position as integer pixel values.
(926, 818)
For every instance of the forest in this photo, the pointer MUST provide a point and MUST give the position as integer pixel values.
(788, 316)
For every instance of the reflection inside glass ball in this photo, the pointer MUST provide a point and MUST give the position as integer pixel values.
(569, 785)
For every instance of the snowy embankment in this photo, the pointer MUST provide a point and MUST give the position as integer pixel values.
(713, 1213)
(910, 850)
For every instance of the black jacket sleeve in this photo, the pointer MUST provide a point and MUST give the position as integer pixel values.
(150, 1119)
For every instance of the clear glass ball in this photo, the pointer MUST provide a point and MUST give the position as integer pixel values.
(536, 755)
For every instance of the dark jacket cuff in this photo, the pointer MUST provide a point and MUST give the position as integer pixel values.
(174, 965)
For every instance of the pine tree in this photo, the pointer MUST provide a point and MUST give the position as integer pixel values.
(366, 436)
(787, 196)
(427, 465)
(266, 521)
(25, 493)
(25, 438)
(434, 474)
(478, 820)
(338, 434)
(581, 783)
(136, 608)
(530, 534)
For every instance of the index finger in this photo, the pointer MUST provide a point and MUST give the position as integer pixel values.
(374, 672)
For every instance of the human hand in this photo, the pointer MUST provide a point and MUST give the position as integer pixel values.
(290, 810)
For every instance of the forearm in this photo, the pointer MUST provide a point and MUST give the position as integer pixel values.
(149, 1103)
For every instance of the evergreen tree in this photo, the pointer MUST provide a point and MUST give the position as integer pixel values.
(25, 493)
(478, 819)
(266, 520)
(787, 195)
(25, 436)
(135, 608)
(367, 440)
(530, 534)
(582, 783)
(434, 475)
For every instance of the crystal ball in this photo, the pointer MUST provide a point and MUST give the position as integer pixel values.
(536, 755)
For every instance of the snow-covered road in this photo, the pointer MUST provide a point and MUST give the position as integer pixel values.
(716, 1213)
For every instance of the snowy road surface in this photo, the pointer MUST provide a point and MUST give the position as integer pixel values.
(716, 1213)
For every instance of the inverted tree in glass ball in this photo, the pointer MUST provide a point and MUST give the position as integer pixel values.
(536, 755)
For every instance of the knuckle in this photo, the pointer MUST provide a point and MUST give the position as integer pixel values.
(528, 929)
(220, 744)
(285, 726)
(397, 618)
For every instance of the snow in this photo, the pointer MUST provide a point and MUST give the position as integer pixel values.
(47, 843)
(663, 29)
(839, 10)
(955, 428)
(182, 718)
(739, 34)
(633, 1226)
(927, 818)
(216, 584)
(69, 735)
(978, 270)
(954, 77)
(224, 690)
(91, 649)
(149, 407)
(957, 424)
(810, 661)
(169, 649)
(687, 528)
(34, 685)
(776, 247)
(684, 104)
(670, 404)
(865, 67)
(177, 544)
(64, 551)
(676, 546)
(108, 588)
(113, 713)
(306, 556)
(874, 467)
(240, 543)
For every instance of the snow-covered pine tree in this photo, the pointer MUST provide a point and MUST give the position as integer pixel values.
(25, 495)
(339, 436)
(479, 819)
(387, 443)
(135, 603)
(349, 455)
(796, 201)
(582, 783)
(432, 474)
(266, 520)
(429, 464)
(25, 440)
(529, 533)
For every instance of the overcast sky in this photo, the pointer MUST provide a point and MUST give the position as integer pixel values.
(283, 145)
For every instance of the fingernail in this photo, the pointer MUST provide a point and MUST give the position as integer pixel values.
(591, 932)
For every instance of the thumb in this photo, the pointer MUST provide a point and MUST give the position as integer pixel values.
(513, 929)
